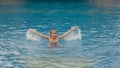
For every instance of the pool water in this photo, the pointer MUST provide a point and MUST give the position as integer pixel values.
(99, 22)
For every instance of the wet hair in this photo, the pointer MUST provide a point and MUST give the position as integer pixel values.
(53, 30)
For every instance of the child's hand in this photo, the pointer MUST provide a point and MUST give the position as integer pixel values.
(33, 30)
(73, 27)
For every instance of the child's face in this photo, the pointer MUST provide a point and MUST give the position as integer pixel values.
(53, 33)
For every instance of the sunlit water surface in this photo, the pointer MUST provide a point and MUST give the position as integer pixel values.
(99, 23)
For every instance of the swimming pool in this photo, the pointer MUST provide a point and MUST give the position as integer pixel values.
(99, 23)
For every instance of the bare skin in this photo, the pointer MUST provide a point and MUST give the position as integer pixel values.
(54, 38)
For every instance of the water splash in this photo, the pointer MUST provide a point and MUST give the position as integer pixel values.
(32, 36)
(75, 35)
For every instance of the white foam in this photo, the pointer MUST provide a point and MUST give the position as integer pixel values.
(75, 35)
(32, 36)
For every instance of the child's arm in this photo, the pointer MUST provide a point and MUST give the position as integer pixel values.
(40, 34)
(68, 32)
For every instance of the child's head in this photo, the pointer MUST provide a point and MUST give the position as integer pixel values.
(53, 33)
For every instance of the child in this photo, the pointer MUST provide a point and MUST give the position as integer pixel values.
(54, 38)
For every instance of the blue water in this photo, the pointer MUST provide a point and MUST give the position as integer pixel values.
(99, 22)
